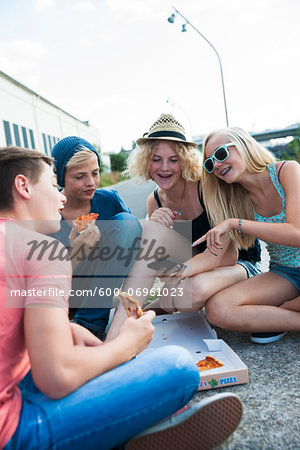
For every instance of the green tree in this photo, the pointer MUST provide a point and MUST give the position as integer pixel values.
(293, 151)
(118, 161)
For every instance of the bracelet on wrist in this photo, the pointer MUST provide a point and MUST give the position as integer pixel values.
(240, 226)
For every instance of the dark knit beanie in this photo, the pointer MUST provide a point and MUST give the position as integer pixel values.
(63, 151)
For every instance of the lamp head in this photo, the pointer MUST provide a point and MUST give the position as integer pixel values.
(171, 18)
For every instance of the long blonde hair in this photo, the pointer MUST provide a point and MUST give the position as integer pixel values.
(222, 200)
(140, 159)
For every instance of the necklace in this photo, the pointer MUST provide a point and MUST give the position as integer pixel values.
(179, 207)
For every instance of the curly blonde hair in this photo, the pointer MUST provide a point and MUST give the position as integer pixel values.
(223, 200)
(140, 159)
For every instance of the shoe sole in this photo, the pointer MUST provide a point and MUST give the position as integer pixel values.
(211, 425)
(268, 340)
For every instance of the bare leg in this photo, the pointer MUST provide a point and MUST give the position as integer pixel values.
(140, 279)
(253, 305)
(163, 242)
(201, 287)
(292, 305)
(192, 294)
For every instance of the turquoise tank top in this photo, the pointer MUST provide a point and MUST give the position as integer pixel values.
(279, 254)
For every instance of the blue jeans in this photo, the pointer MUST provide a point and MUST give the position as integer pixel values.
(112, 408)
(118, 234)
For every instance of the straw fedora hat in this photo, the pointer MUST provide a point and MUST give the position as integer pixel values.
(168, 128)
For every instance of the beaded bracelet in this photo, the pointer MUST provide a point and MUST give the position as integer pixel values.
(240, 226)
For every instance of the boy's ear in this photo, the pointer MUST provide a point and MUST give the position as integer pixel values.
(22, 186)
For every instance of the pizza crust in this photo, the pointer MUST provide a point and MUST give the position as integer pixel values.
(82, 222)
(131, 305)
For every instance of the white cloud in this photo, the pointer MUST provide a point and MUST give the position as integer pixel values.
(85, 6)
(137, 10)
(26, 49)
(43, 5)
(22, 59)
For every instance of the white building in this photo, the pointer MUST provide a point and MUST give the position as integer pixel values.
(29, 120)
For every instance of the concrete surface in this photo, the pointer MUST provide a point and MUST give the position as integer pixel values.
(135, 195)
(271, 399)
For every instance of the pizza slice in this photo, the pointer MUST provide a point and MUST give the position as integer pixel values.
(208, 363)
(131, 305)
(83, 221)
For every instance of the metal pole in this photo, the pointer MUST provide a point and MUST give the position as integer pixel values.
(218, 56)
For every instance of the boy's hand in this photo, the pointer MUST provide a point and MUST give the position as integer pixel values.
(138, 331)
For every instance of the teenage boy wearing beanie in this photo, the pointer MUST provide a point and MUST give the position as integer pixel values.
(98, 276)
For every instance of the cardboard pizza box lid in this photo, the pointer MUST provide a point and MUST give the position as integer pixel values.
(193, 332)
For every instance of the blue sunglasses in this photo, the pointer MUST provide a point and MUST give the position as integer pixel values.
(220, 154)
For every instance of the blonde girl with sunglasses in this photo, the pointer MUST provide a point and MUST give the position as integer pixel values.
(252, 196)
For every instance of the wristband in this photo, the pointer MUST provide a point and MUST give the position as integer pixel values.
(240, 226)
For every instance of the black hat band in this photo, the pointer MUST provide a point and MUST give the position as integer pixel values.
(166, 134)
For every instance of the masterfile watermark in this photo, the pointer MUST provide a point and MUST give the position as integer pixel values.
(43, 273)
(143, 249)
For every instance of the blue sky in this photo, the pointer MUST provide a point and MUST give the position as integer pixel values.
(119, 63)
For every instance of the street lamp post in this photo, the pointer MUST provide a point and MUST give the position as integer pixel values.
(171, 20)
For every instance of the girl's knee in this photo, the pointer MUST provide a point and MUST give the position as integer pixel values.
(199, 294)
(216, 311)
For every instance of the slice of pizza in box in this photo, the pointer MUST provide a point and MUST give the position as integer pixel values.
(218, 364)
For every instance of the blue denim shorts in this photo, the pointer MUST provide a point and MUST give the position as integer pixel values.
(292, 274)
(252, 268)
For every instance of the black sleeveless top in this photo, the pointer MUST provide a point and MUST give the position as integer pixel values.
(200, 226)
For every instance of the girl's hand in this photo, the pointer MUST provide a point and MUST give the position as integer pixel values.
(138, 332)
(213, 236)
(174, 275)
(164, 216)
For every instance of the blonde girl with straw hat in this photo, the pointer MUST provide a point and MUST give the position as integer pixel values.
(167, 157)
(251, 195)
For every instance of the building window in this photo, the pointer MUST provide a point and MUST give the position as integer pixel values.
(24, 132)
(7, 133)
(17, 135)
(50, 143)
(32, 139)
(45, 143)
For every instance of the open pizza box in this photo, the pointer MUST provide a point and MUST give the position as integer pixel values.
(193, 332)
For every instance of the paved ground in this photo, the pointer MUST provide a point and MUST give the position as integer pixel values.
(271, 399)
(135, 195)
